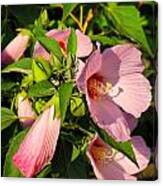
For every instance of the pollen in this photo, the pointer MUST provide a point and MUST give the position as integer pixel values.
(102, 154)
(97, 88)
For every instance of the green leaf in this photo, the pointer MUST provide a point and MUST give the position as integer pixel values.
(41, 89)
(104, 40)
(43, 19)
(124, 147)
(7, 84)
(23, 66)
(75, 153)
(51, 45)
(39, 73)
(7, 117)
(67, 9)
(9, 169)
(77, 107)
(127, 21)
(65, 92)
(72, 42)
(45, 172)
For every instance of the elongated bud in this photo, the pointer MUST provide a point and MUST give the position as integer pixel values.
(25, 111)
(15, 49)
(39, 145)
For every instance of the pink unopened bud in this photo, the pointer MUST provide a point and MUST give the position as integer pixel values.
(25, 111)
(15, 49)
(38, 147)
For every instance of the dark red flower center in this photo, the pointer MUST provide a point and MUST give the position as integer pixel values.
(97, 88)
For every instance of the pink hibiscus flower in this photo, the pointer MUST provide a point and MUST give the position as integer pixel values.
(38, 147)
(112, 82)
(109, 164)
(25, 111)
(84, 45)
(15, 49)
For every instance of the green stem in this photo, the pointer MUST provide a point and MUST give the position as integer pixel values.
(81, 14)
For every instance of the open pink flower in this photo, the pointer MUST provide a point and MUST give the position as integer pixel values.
(25, 111)
(84, 45)
(109, 164)
(38, 147)
(15, 49)
(112, 82)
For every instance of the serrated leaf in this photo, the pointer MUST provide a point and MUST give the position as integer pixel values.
(7, 117)
(127, 21)
(67, 9)
(9, 168)
(72, 43)
(22, 66)
(41, 89)
(65, 92)
(123, 147)
(77, 107)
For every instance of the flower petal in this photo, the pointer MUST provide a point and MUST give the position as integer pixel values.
(84, 44)
(60, 36)
(135, 94)
(15, 49)
(119, 61)
(109, 117)
(91, 67)
(108, 169)
(131, 120)
(38, 147)
(142, 154)
(130, 58)
(80, 75)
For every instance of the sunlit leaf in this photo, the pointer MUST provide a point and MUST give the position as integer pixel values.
(77, 107)
(127, 21)
(22, 66)
(38, 71)
(72, 42)
(41, 89)
(67, 9)
(106, 41)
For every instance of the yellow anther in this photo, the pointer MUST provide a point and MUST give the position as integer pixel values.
(108, 87)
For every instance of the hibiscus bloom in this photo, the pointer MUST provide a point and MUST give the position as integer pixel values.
(25, 111)
(38, 147)
(84, 45)
(109, 164)
(114, 84)
(15, 49)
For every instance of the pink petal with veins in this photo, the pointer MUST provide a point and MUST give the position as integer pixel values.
(38, 147)
(111, 165)
(135, 95)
